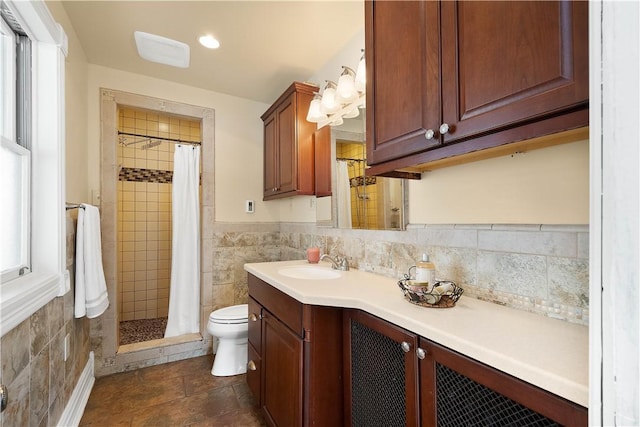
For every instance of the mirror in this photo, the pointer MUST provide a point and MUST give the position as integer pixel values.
(358, 201)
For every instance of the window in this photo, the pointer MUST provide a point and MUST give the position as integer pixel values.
(32, 220)
(15, 157)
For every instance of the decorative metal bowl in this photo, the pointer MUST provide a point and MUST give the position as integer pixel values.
(443, 294)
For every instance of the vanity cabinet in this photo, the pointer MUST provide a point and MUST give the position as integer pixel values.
(297, 352)
(288, 144)
(394, 375)
(451, 78)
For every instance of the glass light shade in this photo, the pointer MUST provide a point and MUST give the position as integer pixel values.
(337, 121)
(351, 113)
(361, 76)
(329, 102)
(346, 89)
(315, 114)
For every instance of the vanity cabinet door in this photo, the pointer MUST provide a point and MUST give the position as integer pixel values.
(381, 372)
(456, 390)
(282, 375)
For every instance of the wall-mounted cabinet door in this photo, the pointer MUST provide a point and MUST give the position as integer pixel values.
(402, 42)
(270, 179)
(504, 63)
(287, 163)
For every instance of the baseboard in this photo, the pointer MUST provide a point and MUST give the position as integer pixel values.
(75, 407)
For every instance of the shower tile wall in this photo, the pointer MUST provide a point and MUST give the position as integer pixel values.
(144, 211)
(367, 209)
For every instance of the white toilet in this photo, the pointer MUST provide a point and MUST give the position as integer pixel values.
(230, 326)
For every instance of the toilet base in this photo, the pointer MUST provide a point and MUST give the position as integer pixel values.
(230, 358)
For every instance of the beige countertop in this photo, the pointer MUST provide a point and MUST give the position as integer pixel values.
(549, 353)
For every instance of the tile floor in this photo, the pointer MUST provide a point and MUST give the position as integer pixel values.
(182, 393)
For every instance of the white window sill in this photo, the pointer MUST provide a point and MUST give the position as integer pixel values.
(22, 297)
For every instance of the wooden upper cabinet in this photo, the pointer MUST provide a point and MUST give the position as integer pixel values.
(403, 77)
(322, 142)
(288, 144)
(507, 62)
(492, 73)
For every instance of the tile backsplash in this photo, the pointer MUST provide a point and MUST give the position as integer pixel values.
(538, 268)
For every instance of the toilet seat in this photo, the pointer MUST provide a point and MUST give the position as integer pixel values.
(236, 314)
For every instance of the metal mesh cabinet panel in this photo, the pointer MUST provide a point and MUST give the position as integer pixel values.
(378, 379)
(461, 401)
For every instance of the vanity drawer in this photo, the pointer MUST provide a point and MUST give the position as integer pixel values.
(279, 304)
(255, 324)
(254, 365)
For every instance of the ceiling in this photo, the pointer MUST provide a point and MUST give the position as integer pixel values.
(265, 45)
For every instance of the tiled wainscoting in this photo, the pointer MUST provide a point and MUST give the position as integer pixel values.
(541, 269)
(38, 379)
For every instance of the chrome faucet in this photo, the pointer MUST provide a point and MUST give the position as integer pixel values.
(339, 263)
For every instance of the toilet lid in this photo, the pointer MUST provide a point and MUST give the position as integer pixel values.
(233, 314)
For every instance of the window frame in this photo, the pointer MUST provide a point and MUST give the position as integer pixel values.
(23, 296)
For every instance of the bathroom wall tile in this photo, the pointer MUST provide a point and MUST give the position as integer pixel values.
(538, 242)
(569, 281)
(515, 273)
(17, 412)
(449, 237)
(456, 264)
(15, 351)
(39, 330)
(222, 295)
(583, 245)
(56, 315)
(378, 254)
(39, 387)
(56, 367)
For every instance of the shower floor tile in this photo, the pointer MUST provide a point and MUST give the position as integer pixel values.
(134, 331)
(173, 394)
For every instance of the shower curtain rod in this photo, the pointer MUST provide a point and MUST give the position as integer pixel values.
(349, 159)
(174, 140)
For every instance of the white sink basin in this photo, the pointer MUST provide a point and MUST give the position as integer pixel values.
(309, 272)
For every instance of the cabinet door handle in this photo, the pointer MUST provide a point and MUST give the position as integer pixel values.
(405, 346)
(421, 353)
(444, 128)
(255, 317)
(429, 134)
(251, 365)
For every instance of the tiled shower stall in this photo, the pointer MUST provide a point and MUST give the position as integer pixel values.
(144, 209)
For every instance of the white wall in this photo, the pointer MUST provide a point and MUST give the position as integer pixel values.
(238, 140)
(77, 188)
(546, 186)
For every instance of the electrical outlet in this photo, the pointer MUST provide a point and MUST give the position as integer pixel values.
(249, 206)
(67, 344)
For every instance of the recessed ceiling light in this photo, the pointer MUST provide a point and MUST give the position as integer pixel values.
(162, 50)
(209, 41)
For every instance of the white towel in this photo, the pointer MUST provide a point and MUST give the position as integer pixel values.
(91, 287)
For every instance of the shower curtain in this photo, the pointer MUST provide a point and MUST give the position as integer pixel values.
(343, 195)
(184, 292)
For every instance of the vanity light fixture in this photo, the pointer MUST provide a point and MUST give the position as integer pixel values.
(315, 114)
(209, 41)
(340, 101)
